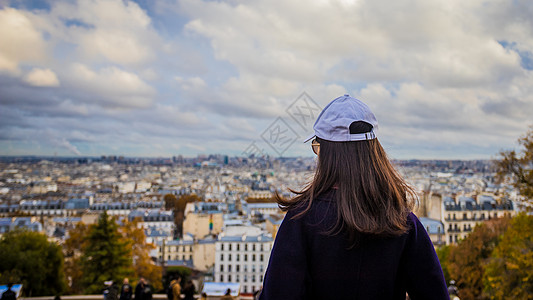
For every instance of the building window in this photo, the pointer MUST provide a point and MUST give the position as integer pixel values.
(245, 268)
(245, 278)
(229, 268)
(221, 268)
(229, 278)
(253, 247)
(260, 278)
(229, 247)
(238, 248)
(190, 248)
(261, 257)
(253, 257)
(253, 278)
(451, 239)
(221, 278)
(229, 257)
(464, 216)
(245, 247)
(261, 247)
(261, 268)
(237, 278)
(238, 257)
(245, 289)
(221, 257)
(238, 268)
(222, 247)
(190, 257)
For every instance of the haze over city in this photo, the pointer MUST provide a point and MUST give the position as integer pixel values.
(446, 80)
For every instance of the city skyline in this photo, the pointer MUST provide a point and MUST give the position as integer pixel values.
(450, 80)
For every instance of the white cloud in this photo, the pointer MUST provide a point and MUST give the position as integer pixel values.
(20, 40)
(112, 31)
(42, 77)
(111, 86)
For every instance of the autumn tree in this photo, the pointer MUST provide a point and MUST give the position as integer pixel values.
(170, 201)
(179, 210)
(509, 273)
(518, 167)
(29, 258)
(466, 263)
(107, 255)
(73, 249)
(142, 263)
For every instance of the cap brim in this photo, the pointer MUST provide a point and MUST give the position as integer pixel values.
(309, 138)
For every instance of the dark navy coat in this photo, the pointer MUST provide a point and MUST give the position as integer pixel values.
(307, 264)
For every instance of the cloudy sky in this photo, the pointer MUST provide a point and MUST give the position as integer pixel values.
(446, 79)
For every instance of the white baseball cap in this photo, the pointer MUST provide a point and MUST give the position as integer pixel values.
(333, 123)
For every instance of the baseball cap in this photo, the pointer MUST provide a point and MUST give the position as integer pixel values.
(333, 123)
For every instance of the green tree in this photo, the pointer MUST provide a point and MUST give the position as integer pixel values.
(443, 252)
(106, 255)
(518, 166)
(28, 257)
(178, 271)
(467, 260)
(509, 273)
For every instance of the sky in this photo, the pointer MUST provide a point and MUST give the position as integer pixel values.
(446, 79)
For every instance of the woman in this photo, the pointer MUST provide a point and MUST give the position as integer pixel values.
(350, 234)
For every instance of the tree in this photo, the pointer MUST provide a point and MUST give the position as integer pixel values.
(519, 166)
(142, 263)
(170, 201)
(72, 249)
(179, 210)
(443, 252)
(468, 259)
(107, 255)
(28, 257)
(509, 273)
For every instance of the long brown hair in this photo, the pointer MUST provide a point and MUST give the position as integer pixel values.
(371, 195)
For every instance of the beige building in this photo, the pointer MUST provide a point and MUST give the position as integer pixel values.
(204, 254)
(461, 215)
(199, 254)
(198, 224)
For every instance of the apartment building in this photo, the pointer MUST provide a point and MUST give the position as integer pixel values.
(241, 256)
(461, 215)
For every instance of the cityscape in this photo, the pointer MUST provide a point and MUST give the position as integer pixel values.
(228, 231)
